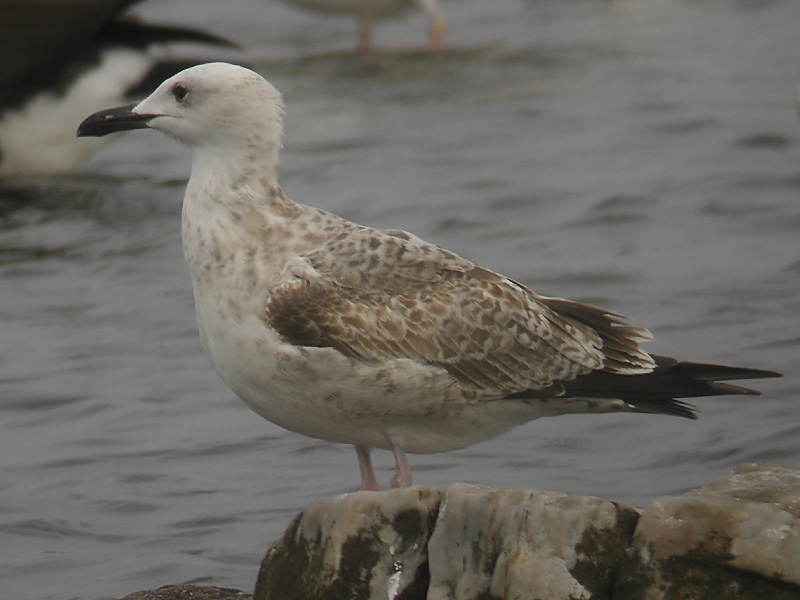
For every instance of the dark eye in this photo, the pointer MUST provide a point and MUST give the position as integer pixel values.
(180, 91)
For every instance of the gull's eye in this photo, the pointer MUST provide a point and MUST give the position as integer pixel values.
(179, 92)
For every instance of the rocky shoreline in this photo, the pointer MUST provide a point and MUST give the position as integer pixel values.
(737, 537)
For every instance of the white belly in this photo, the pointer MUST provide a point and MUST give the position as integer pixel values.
(320, 393)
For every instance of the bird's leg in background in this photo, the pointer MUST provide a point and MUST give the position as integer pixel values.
(364, 34)
(402, 472)
(438, 24)
(369, 483)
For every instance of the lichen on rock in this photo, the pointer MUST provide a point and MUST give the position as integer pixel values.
(354, 547)
(519, 544)
(736, 538)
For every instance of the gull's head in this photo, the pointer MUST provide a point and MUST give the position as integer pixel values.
(215, 104)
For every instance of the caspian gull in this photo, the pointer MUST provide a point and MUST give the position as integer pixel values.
(374, 337)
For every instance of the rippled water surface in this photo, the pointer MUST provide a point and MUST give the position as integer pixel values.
(643, 155)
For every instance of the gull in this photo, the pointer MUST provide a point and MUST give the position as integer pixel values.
(374, 337)
(367, 11)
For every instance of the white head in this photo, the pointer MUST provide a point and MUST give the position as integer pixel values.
(217, 108)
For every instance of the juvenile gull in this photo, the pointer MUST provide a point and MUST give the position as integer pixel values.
(374, 337)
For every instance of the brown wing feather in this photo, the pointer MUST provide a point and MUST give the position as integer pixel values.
(403, 298)
(466, 329)
(621, 340)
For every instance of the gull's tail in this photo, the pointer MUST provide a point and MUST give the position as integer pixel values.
(660, 390)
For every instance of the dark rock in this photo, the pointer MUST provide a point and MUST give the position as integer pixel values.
(189, 592)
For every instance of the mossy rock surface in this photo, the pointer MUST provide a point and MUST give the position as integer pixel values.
(354, 547)
(190, 592)
(736, 538)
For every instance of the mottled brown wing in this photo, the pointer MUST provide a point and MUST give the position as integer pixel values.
(385, 295)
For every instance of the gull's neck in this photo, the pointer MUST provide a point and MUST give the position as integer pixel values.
(224, 173)
(231, 207)
(233, 199)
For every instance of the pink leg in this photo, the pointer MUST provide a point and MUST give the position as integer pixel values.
(438, 24)
(437, 30)
(402, 472)
(364, 34)
(369, 483)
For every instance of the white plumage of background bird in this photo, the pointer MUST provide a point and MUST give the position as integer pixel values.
(367, 12)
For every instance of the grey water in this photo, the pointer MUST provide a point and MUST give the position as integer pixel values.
(642, 155)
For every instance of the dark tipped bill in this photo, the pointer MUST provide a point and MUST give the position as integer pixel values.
(113, 120)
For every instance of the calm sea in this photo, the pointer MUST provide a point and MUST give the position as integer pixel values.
(643, 155)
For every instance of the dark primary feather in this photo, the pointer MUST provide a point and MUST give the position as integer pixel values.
(672, 379)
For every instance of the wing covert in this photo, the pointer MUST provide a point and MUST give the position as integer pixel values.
(383, 295)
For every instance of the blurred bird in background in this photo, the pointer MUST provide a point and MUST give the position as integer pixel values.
(59, 59)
